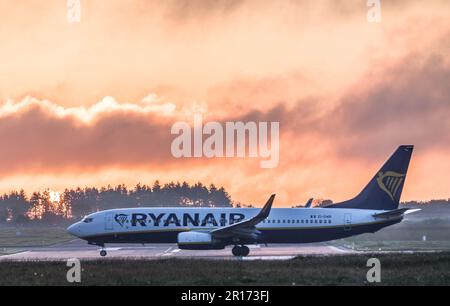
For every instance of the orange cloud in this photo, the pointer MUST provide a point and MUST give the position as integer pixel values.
(407, 104)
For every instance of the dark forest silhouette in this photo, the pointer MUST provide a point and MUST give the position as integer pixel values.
(73, 204)
(17, 208)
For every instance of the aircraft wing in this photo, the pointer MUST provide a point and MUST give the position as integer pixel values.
(245, 228)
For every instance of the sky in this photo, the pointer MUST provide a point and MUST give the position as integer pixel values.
(92, 103)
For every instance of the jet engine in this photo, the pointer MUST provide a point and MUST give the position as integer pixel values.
(198, 241)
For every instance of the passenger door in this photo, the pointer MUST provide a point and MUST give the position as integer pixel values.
(347, 222)
(109, 221)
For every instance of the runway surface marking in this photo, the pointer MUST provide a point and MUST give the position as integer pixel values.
(170, 252)
(80, 249)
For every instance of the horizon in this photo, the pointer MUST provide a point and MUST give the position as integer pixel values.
(55, 195)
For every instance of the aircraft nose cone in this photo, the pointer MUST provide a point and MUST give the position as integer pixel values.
(73, 229)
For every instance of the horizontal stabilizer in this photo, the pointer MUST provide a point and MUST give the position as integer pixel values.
(395, 213)
(410, 211)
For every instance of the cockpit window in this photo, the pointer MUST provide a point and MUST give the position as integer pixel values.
(88, 220)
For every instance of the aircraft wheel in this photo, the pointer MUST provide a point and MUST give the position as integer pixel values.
(240, 250)
(245, 250)
(103, 253)
(236, 250)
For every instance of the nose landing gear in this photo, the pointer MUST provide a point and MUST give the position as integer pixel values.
(103, 252)
(240, 250)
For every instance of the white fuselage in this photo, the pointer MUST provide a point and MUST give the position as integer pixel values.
(288, 225)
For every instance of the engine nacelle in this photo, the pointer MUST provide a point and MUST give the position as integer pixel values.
(198, 241)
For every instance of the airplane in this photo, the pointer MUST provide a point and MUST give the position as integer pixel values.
(374, 208)
(309, 203)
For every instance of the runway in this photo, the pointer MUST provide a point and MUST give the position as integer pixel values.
(80, 249)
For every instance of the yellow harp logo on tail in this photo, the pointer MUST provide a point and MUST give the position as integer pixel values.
(390, 182)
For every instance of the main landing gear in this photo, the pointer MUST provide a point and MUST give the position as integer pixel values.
(103, 252)
(240, 250)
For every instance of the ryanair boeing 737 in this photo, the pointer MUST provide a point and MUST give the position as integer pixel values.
(374, 208)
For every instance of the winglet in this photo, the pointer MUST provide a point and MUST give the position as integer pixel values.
(227, 231)
(264, 212)
(309, 203)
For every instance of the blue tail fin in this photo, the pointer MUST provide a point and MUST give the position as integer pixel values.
(384, 190)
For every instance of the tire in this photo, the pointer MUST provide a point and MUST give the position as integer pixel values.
(236, 250)
(240, 250)
(103, 253)
(244, 250)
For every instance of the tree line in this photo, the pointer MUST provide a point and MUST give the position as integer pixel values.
(50, 207)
